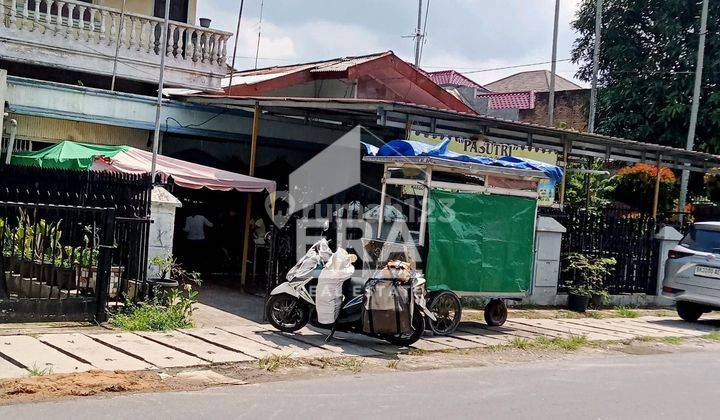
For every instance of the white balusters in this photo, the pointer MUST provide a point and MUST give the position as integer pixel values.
(70, 20)
(59, 22)
(13, 11)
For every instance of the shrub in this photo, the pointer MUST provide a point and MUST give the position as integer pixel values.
(588, 272)
(635, 186)
(712, 185)
(172, 311)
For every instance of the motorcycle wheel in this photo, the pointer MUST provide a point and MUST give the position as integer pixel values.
(286, 313)
(446, 307)
(418, 324)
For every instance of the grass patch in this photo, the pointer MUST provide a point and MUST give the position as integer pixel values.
(521, 343)
(594, 314)
(36, 371)
(715, 335)
(623, 312)
(393, 364)
(571, 343)
(144, 317)
(672, 340)
(352, 364)
(275, 362)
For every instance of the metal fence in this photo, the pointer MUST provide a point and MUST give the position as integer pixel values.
(627, 236)
(126, 194)
(56, 262)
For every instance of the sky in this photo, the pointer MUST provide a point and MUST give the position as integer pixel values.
(470, 36)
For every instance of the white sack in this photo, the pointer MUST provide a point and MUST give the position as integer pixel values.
(317, 255)
(329, 289)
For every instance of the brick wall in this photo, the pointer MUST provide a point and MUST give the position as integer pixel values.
(571, 109)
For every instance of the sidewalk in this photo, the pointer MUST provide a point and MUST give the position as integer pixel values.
(69, 352)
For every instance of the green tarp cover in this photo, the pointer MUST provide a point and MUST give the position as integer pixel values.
(66, 155)
(480, 243)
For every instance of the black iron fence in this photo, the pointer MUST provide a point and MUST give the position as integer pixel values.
(627, 236)
(129, 197)
(56, 262)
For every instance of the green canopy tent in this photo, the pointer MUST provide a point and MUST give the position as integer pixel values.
(67, 155)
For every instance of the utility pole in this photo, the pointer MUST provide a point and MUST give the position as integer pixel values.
(161, 82)
(257, 49)
(237, 36)
(418, 35)
(695, 106)
(553, 67)
(596, 64)
(117, 45)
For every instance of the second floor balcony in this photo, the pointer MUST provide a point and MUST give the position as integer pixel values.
(84, 37)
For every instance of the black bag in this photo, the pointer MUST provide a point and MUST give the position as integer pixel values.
(387, 307)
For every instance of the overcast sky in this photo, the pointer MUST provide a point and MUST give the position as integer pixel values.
(465, 35)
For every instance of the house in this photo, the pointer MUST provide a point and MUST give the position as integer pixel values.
(520, 97)
(571, 100)
(381, 76)
(47, 47)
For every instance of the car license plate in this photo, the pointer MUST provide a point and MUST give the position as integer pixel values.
(711, 272)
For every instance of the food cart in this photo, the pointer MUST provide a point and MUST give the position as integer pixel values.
(475, 230)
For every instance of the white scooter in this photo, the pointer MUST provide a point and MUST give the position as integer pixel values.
(292, 304)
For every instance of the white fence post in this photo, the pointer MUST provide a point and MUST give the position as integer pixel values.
(668, 237)
(162, 212)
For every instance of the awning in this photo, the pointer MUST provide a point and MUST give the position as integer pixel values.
(125, 159)
(409, 148)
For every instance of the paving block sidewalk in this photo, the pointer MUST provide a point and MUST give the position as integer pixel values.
(69, 352)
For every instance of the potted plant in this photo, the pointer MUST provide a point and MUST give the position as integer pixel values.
(169, 274)
(205, 22)
(588, 272)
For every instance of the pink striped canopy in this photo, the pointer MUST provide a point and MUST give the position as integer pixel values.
(184, 174)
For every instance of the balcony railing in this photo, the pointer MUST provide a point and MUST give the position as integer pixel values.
(198, 54)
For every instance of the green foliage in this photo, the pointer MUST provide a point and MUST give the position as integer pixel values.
(623, 312)
(170, 311)
(647, 65)
(168, 267)
(37, 371)
(588, 272)
(576, 188)
(635, 186)
(712, 185)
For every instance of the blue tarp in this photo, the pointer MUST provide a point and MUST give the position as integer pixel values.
(416, 148)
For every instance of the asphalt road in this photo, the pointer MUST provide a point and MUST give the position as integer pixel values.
(672, 386)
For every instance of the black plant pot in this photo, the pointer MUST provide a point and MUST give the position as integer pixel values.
(578, 303)
(160, 286)
(596, 301)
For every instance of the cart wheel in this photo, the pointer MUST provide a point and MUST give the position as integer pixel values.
(495, 313)
(445, 305)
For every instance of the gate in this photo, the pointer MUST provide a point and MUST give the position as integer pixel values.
(56, 262)
(627, 236)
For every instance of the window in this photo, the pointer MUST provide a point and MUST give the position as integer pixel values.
(702, 240)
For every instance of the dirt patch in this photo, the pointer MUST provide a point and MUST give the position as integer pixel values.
(79, 385)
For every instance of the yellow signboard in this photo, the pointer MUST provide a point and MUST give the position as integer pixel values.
(477, 147)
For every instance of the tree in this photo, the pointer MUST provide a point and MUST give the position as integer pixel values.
(635, 186)
(647, 69)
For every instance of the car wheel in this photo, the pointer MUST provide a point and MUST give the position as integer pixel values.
(689, 312)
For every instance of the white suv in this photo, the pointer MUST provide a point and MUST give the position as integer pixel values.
(692, 272)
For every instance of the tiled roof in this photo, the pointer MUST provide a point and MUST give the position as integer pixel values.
(536, 80)
(510, 100)
(453, 78)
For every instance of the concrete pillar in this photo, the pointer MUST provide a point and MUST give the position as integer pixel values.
(162, 212)
(667, 237)
(546, 273)
(3, 98)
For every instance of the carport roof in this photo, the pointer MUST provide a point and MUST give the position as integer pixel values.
(371, 112)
